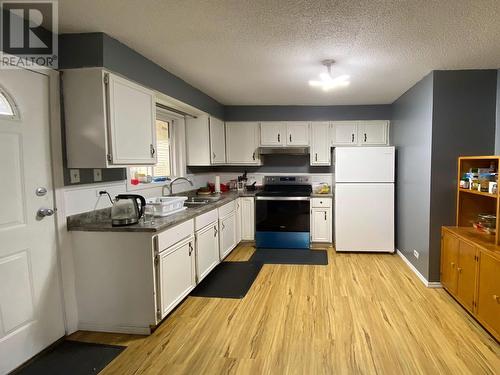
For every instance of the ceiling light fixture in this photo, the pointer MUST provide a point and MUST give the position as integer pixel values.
(327, 82)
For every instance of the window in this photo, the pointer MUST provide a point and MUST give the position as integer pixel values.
(163, 168)
(7, 106)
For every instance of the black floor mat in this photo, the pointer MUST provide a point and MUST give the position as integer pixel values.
(72, 357)
(290, 256)
(228, 280)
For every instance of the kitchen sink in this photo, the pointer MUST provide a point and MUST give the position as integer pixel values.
(199, 201)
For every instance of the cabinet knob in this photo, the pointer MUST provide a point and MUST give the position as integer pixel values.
(459, 269)
(278, 137)
(290, 137)
(253, 155)
(496, 298)
(452, 264)
(352, 138)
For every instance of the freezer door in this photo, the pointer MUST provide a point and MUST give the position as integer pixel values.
(364, 217)
(364, 164)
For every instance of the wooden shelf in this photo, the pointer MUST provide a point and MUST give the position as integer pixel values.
(477, 192)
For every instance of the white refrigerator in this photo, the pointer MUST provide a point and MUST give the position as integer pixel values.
(364, 199)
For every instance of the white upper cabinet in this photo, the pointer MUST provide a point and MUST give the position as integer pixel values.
(198, 140)
(109, 120)
(351, 133)
(344, 133)
(297, 133)
(373, 132)
(217, 141)
(242, 143)
(320, 150)
(205, 141)
(272, 133)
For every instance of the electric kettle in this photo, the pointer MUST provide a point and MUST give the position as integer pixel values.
(126, 210)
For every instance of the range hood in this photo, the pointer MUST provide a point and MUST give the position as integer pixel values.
(283, 150)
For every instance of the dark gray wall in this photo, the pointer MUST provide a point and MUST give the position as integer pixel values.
(99, 49)
(272, 164)
(307, 113)
(497, 130)
(463, 124)
(412, 134)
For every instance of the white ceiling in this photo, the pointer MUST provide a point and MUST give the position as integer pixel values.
(265, 51)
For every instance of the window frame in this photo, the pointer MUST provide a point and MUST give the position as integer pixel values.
(176, 140)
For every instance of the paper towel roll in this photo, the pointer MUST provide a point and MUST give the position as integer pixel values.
(217, 184)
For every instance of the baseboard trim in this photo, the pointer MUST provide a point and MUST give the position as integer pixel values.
(113, 328)
(428, 284)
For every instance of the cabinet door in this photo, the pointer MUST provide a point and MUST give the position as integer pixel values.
(217, 141)
(132, 122)
(320, 144)
(488, 304)
(207, 250)
(321, 225)
(176, 274)
(242, 142)
(466, 274)
(297, 134)
(372, 132)
(344, 133)
(247, 219)
(238, 220)
(227, 227)
(198, 141)
(272, 133)
(449, 262)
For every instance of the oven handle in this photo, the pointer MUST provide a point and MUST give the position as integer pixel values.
(282, 198)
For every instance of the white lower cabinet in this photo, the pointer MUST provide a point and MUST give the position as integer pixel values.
(227, 238)
(321, 220)
(176, 275)
(238, 220)
(207, 250)
(247, 218)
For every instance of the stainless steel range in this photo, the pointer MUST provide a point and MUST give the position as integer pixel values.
(282, 213)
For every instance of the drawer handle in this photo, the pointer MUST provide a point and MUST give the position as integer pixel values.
(290, 137)
(190, 248)
(352, 138)
(452, 264)
(459, 269)
(325, 215)
(279, 137)
(215, 231)
(496, 298)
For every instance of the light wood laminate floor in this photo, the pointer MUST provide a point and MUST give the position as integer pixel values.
(361, 314)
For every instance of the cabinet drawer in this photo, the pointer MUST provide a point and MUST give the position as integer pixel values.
(205, 219)
(171, 236)
(321, 202)
(227, 209)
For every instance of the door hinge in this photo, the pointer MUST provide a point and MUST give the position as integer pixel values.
(152, 150)
(109, 157)
(106, 79)
(190, 248)
(157, 260)
(158, 314)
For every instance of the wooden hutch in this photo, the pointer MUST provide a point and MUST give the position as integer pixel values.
(470, 258)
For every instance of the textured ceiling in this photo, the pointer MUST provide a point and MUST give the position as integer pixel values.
(265, 51)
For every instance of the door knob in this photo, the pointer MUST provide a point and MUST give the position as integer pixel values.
(42, 212)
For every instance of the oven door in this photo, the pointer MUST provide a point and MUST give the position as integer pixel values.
(282, 222)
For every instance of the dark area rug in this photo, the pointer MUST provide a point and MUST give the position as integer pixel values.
(290, 256)
(228, 280)
(71, 357)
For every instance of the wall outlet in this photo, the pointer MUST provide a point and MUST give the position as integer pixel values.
(74, 176)
(97, 175)
(416, 254)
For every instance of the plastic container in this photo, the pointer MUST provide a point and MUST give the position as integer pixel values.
(164, 206)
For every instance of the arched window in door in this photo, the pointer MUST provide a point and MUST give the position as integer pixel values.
(8, 107)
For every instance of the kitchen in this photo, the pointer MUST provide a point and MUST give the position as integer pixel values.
(286, 218)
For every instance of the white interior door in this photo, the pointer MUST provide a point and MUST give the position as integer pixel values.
(364, 217)
(31, 315)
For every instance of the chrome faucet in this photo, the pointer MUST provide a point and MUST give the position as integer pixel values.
(169, 185)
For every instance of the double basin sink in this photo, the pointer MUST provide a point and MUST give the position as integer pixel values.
(199, 201)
